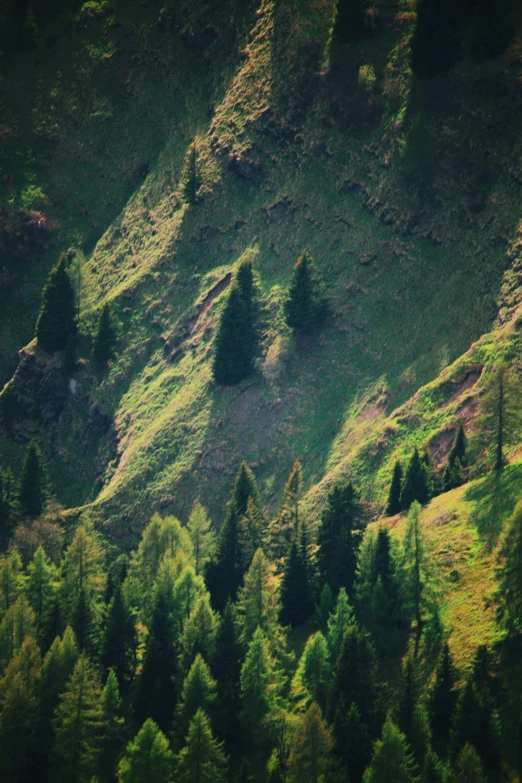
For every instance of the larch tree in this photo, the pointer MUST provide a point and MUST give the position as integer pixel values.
(260, 684)
(312, 680)
(202, 760)
(147, 757)
(41, 589)
(202, 536)
(199, 632)
(111, 741)
(469, 766)
(198, 692)
(11, 580)
(17, 623)
(341, 619)
(414, 581)
(57, 319)
(392, 761)
(119, 642)
(311, 757)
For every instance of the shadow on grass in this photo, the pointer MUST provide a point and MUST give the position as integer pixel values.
(494, 499)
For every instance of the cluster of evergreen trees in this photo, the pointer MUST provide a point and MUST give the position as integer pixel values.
(25, 498)
(238, 337)
(176, 664)
(57, 326)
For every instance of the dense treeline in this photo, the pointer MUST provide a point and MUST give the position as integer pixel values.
(183, 662)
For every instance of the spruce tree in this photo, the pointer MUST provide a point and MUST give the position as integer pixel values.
(433, 770)
(355, 678)
(111, 742)
(82, 568)
(394, 505)
(202, 760)
(349, 24)
(324, 607)
(237, 338)
(296, 603)
(57, 319)
(392, 761)
(286, 524)
(311, 757)
(32, 493)
(104, 338)
(84, 624)
(339, 538)
(202, 536)
(443, 697)
(416, 483)
(77, 725)
(353, 745)
(198, 692)
(226, 668)
(119, 642)
(252, 532)
(476, 722)
(492, 29)
(305, 306)
(436, 42)
(147, 757)
(224, 573)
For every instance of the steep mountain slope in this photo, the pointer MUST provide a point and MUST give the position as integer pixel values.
(406, 193)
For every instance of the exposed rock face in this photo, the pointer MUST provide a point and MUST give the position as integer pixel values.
(41, 384)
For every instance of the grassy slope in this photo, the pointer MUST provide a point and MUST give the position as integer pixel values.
(414, 256)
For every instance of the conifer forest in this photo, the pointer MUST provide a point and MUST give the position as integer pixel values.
(261, 391)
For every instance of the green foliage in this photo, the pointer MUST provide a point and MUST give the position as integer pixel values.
(499, 418)
(191, 177)
(339, 538)
(104, 338)
(509, 574)
(312, 679)
(58, 665)
(443, 696)
(305, 306)
(202, 760)
(416, 484)
(469, 766)
(199, 632)
(353, 745)
(341, 619)
(296, 602)
(57, 319)
(33, 484)
(260, 683)
(492, 29)
(111, 742)
(414, 572)
(355, 678)
(41, 589)
(394, 505)
(258, 601)
(119, 642)
(224, 573)
(198, 692)
(237, 338)
(17, 623)
(202, 536)
(147, 757)
(392, 761)
(476, 722)
(311, 758)
(226, 668)
(11, 580)
(286, 524)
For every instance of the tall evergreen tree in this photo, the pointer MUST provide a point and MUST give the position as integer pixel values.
(394, 505)
(285, 525)
(17, 623)
(84, 625)
(341, 619)
(251, 532)
(57, 319)
(353, 745)
(355, 678)
(147, 757)
(119, 640)
(311, 757)
(198, 692)
(305, 306)
(312, 679)
(492, 29)
(40, 589)
(349, 24)
(77, 725)
(11, 580)
(339, 538)
(453, 473)
(226, 668)
(476, 722)
(259, 689)
(469, 766)
(33, 487)
(224, 573)
(296, 602)
(443, 696)
(392, 761)
(433, 770)
(500, 415)
(199, 632)
(111, 741)
(237, 338)
(416, 483)
(58, 665)
(202, 760)
(104, 338)
(82, 568)
(202, 536)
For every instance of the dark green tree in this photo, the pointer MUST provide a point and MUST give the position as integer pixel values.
(339, 538)
(155, 689)
(349, 24)
(119, 640)
(436, 42)
(191, 184)
(84, 623)
(296, 602)
(237, 338)
(202, 760)
(57, 319)
(311, 757)
(305, 306)
(453, 473)
(492, 29)
(245, 488)
(226, 668)
(394, 498)
(443, 696)
(433, 770)
(40, 589)
(469, 766)
(104, 338)
(477, 723)
(353, 745)
(416, 482)
(33, 484)
(111, 741)
(116, 575)
(198, 692)
(355, 678)
(147, 758)
(392, 761)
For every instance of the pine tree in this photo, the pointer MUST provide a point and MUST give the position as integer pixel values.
(258, 603)
(339, 538)
(476, 722)
(443, 696)
(416, 484)
(198, 692)
(394, 505)
(286, 524)
(259, 686)
(350, 24)
(312, 679)
(341, 619)
(355, 678)
(202, 760)
(155, 691)
(252, 532)
(19, 714)
(226, 668)
(82, 568)
(296, 602)
(32, 493)
(392, 761)
(492, 29)
(224, 573)
(202, 536)
(119, 640)
(305, 306)
(500, 413)
(187, 589)
(509, 574)
(77, 725)
(147, 757)
(469, 766)
(84, 623)
(352, 741)
(57, 319)
(111, 742)
(104, 338)
(237, 338)
(199, 632)
(311, 758)
(40, 589)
